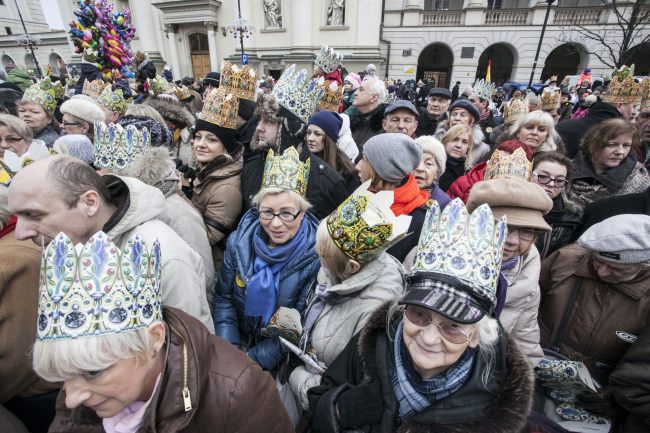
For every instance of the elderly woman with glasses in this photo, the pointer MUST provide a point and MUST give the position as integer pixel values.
(79, 117)
(15, 135)
(270, 261)
(436, 360)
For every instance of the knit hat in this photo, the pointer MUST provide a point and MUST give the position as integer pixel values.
(393, 156)
(465, 104)
(212, 79)
(329, 122)
(619, 239)
(440, 91)
(401, 104)
(433, 146)
(523, 203)
(84, 109)
(353, 79)
(77, 145)
(160, 135)
(227, 136)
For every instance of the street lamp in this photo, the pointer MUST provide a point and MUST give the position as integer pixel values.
(541, 38)
(27, 40)
(241, 28)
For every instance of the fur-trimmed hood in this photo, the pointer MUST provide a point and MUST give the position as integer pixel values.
(267, 108)
(171, 110)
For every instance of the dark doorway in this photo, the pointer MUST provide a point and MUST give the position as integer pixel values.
(640, 59)
(435, 64)
(502, 61)
(562, 61)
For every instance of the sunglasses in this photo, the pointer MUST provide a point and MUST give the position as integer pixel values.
(448, 330)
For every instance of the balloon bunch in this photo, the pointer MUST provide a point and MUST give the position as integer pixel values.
(109, 33)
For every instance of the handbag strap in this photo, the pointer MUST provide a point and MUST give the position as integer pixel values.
(561, 330)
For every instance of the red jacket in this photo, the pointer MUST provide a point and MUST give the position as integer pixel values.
(463, 185)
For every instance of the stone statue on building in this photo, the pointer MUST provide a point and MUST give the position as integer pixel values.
(335, 13)
(272, 14)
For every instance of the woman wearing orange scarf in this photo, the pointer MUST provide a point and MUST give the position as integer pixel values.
(388, 161)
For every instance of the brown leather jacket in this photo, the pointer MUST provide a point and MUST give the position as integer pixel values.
(229, 393)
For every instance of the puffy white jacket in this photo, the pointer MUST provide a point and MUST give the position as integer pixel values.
(346, 142)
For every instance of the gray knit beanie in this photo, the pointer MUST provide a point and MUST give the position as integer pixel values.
(76, 145)
(392, 155)
(619, 239)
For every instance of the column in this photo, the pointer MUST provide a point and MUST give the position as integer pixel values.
(212, 45)
(301, 26)
(142, 18)
(173, 50)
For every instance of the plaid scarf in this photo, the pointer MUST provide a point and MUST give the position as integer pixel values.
(414, 394)
(482, 117)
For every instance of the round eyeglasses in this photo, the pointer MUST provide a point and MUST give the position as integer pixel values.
(448, 330)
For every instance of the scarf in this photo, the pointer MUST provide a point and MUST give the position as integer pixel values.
(502, 284)
(408, 197)
(11, 225)
(131, 418)
(482, 117)
(414, 394)
(262, 291)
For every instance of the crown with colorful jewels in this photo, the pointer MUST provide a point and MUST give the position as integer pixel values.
(56, 86)
(623, 89)
(158, 85)
(551, 98)
(463, 246)
(515, 109)
(97, 288)
(43, 94)
(242, 83)
(220, 108)
(114, 100)
(328, 59)
(484, 89)
(364, 225)
(182, 93)
(645, 93)
(331, 97)
(94, 88)
(298, 93)
(116, 148)
(89, 55)
(286, 171)
(504, 165)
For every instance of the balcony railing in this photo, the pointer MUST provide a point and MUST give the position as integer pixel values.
(578, 16)
(442, 18)
(506, 17)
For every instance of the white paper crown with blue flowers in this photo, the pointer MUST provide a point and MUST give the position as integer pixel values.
(116, 148)
(328, 59)
(97, 288)
(298, 92)
(484, 89)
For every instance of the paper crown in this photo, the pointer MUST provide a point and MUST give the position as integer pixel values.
(116, 148)
(94, 88)
(551, 99)
(298, 93)
(158, 85)
(286, 171)
(503, 165)
(11, 163)
(328, 59)
(463, 246)
(331, 98)
(484, 89)
(242, 83)
(645, 93)
(89, 55)
(44, 93)
(623, 89)
(182, 93)
(97, 288)
(220, 108)
(515, 109)
(114, 100)
(364, 225)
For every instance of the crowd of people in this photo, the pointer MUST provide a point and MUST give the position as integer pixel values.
(324, 252)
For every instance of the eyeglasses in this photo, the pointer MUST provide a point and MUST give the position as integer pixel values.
(448, 330)
(285, 216)
(545, 180)
(70, 123)
(524, 234)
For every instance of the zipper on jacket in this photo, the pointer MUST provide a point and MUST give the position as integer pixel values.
(187, 400)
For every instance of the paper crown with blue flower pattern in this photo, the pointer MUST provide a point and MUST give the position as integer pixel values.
(116, 148)
(298, 93)
(328, 59)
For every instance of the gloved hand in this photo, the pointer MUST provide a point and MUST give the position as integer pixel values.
(361, 405)
(600, 403)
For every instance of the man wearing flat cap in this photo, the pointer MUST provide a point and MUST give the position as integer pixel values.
(435, 112)
(401, 117)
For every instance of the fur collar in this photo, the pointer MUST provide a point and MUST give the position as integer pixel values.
(172, 111)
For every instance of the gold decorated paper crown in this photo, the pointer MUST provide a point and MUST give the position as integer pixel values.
(364, 225)
(242, 83)
(158, 85)
(551, 99)
(43, 93)
(286, 171)
(328, 59)
(220, 108)
(463, 246)
(89, 55)
(94, 88)
(515, 109)
(331, 98)
(116, 148)
(645, 93)
(97, 288)
(484, 89)
(114, 100)
(504, 165)
(623, 89)
(298, 93)
(182, 93)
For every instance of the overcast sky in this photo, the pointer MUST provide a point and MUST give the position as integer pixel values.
(52, 15)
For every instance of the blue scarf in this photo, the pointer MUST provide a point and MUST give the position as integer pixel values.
(414, 394)
(262, 289)
(502, 284)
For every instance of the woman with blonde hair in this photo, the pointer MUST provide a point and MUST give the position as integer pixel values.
(458, 144)
(537, 130)
(15, 135)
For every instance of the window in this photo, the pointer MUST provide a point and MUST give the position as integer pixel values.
(198, 43)
(494, 4)
(8, 29)
(443, 5)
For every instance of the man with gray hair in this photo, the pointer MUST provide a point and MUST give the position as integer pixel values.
(369, 106)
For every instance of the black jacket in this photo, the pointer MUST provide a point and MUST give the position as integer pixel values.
(427, 125)
(572, 131)
(564, 219)
(146, 70)
(365, 126)
(89, 72)
(502, 406)
(401, 249)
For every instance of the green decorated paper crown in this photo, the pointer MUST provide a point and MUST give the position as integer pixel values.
(56, 86)
(220, 108)
(328, 59)
(466, 247)
(332, 95)
(94, 88)
(116, 148)
(504, 165)
(114, 100)
(286, 171)
(364, 225)
(90, 56)
(645, 93)
(484, 89)
(242, 83)
(623, 89)
(298, 93)
(97, 288)
(158, 85)
(43, 93)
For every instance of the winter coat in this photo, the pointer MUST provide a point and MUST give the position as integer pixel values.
(346, 142)
(182, 271)
(89, 72)
(20, 78)
(463, 185)
(296, 277)
(377, 282)
(519, 314)
(167, 73)
(564, 219)
(502, 405)
(145, 70)
(440, 196)
(480, 149)
(367, 125)
(427, 125)
(585, 186)
(451, 173)
(218, 199)
(47, 135)
(572, 131)
(223, 384)
(487, 125)
(401, 249)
